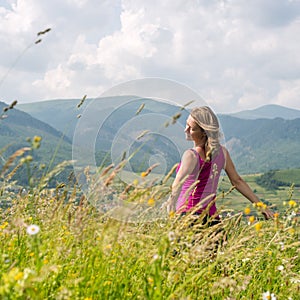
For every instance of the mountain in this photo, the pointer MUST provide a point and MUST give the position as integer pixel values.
(269, 111)
(63, 114)
(18, 126)
(262, 144)
(256, 145)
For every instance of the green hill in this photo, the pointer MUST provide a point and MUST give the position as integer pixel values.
(18, 126)
(256, 146)
(263, 144)
(288, 176)
(270, 111)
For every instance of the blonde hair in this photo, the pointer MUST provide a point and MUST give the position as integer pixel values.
(208, 121)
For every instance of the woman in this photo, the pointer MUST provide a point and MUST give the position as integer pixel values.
(197, 176)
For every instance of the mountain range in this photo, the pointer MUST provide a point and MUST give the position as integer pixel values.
(269, 111)
(17, 130)
(260, 140)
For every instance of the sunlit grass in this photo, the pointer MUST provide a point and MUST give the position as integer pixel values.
(55, 244)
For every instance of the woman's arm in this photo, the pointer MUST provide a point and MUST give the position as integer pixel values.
(240, 184)
(188, 163)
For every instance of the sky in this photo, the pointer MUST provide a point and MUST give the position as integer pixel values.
(236, 54)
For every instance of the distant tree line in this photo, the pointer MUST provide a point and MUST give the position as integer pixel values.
(268, 181)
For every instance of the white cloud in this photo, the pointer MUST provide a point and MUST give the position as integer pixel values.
(289, 93)
(236, 54)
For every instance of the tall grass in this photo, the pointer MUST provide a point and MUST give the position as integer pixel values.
(79, 251)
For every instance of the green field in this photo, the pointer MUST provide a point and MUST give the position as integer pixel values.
(291, 176)
(237, 202)
(61, 244)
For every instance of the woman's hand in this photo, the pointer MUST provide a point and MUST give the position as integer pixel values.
(268, 214)
(169, 205)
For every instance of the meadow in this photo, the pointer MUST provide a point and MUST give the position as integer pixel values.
(64, 244)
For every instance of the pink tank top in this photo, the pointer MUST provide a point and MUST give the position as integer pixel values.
(206, 189)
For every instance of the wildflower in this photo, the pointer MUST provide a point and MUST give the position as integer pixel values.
(18, 276)
(28, 158)
(155, 256)
(135, 182)
(292, 203)
(33, 229)
(280, 268)
(276, 215)
(151, 202)
(251, 219)
(268, 296)
(258, 226)
(37, 139)
(150, 280)
(245, 259)
(4, 225)
(260, 205)
(144, 174)
(247, 211)
(172, 214)
(295, 280)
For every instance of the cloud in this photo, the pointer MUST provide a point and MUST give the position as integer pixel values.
(236, 54)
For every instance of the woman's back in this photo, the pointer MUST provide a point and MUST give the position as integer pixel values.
(208, 174)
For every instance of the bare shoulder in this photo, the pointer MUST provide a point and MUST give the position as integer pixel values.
(189, 156)
(224, 149)
(226, 156)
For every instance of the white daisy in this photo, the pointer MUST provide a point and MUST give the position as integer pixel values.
(33, 229)
(268, 296)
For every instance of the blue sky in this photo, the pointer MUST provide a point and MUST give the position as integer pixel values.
(236, 54)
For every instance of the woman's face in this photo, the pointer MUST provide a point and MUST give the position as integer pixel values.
(193, 131)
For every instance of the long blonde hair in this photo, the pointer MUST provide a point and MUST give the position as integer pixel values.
(208, 121)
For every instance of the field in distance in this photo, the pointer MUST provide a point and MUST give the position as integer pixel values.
(236, 202)
(277, 197)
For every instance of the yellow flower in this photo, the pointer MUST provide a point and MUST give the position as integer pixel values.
(292, 203)
(276, 215)
(247, 210)
(18, 276)
(150, 280)
(144, 174)
(151, 202)
(37, 138)
(4, 225)
(258, 226)
(29, 158)
(135, 182)
(172, 214)
(251, 219)
(260, 205)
